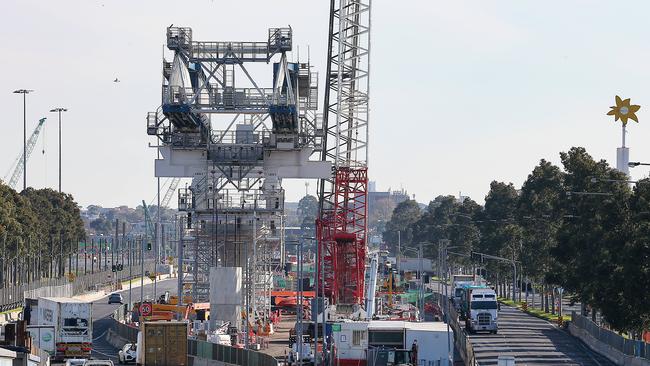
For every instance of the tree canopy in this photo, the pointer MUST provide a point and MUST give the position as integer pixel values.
(579, 226)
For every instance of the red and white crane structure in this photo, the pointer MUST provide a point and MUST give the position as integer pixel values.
(342, 224)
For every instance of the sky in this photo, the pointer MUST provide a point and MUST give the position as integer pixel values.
(462, 92)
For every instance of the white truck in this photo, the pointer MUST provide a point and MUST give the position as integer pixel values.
(457, 282)
(72, 322)
(483, 310)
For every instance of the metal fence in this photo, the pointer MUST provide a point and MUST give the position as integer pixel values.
(202, 349)
(227, 354)
(125, 331)
(628, 347)
(13, 297)
(461, 341)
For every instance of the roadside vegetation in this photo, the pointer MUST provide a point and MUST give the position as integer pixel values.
(580, 226)
(38, 227)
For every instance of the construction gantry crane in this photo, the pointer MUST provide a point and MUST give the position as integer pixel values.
(17, 166)
(342, 225)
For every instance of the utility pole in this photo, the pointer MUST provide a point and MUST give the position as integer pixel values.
(179, 249)
(421, 293)
(59, 110)
(399, 250)
(113, 265)
(142, 271)
(130, 274)
(24, 92)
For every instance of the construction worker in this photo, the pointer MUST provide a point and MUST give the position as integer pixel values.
(414, 352)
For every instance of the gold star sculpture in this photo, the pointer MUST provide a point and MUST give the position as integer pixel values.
(623, 110)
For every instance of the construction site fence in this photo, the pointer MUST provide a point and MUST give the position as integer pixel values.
(197, 348)
(228, 355)
(118, 327)
(461, 341)
(13, 297)
(629, 347)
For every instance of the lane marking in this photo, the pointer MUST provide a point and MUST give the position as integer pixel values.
(94, 339)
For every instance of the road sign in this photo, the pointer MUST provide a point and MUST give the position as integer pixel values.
(336, 327)
(145, 309)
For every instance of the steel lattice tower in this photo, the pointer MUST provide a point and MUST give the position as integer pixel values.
(342, 225)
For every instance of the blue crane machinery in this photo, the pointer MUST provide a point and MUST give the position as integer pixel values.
(17, 166)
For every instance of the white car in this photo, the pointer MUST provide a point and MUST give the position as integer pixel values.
(75, 362)
(98, 363)
(127, 354)
(307, 354)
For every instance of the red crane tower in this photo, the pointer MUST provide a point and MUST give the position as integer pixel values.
(342, 227)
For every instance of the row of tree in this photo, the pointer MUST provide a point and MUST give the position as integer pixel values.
(37, 226)
(582, 227)
(100, 220)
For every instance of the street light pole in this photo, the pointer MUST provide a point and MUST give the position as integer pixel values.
(24, 92)
(59, 110)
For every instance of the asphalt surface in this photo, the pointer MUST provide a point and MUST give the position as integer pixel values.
(532, 341)
(102, 312)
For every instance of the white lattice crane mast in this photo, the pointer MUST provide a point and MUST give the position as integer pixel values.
(173, 185)
(18, 163)
(342, 225)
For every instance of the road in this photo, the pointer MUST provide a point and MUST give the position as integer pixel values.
(532, 341)
(102, 312)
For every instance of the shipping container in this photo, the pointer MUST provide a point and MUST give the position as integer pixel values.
(162, 344)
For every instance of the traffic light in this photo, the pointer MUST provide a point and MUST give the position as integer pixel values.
(113, 268)
(148, 245)
(120, 267)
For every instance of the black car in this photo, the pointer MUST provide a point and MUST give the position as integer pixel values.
(115, 298)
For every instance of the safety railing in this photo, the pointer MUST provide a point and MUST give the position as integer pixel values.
(221, 99)
(13, 297)
(629, 347)
(461, 340)
(228, 355)
(120, 328)
(179, 38)
(220, 51)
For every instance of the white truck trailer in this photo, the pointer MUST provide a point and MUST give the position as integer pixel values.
(73, 325)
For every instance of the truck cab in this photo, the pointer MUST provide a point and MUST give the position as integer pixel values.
(483, 310)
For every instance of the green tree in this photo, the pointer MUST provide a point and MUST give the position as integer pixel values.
(102, 225)
(500, 233)
(540, 215)
(635, 264)
(308, 211)
(405, 214)
(588, 255)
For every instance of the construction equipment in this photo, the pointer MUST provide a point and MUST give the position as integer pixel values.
(149, 225)
(171, 189)
(342, 225)
(17, 166)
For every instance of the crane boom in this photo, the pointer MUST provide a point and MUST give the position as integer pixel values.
(18, 164)
(173, 185)
(342, 225)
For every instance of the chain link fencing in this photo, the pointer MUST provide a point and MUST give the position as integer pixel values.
(629, 347)
(13, 297)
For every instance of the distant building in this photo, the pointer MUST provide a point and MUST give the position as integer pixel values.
(392, 198)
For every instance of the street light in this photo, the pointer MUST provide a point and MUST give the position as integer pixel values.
(59, 110)
(24, 92)
(596, 180)
(633, 164)
(299, 299)
(570, 193)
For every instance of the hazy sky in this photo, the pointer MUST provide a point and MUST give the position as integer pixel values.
(462, 92)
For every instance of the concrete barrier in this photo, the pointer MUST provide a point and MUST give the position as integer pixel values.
(606, 350)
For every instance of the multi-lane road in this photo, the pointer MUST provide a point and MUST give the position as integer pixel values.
(532, 341)
(102, 316)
